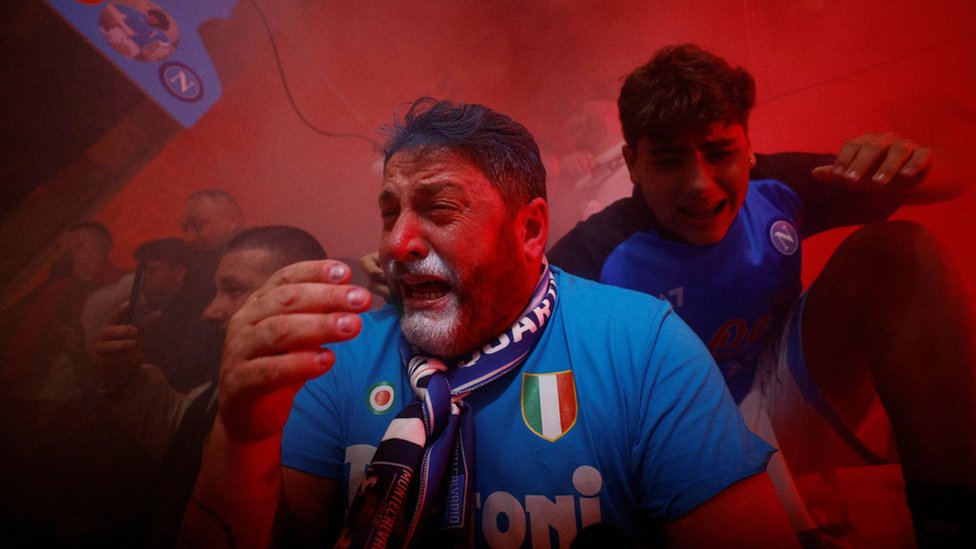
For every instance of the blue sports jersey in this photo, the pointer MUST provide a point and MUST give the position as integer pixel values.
(733, 293)
(618, 414)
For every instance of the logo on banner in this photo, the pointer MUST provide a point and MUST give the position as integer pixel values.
(381, 397)
(181, 81)
(139, 30)
(784, 237)
(549, 403)
(158, 48)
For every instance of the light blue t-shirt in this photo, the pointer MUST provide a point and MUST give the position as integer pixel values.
(618, 414)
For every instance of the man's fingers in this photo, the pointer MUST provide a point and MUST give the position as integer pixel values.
(111, 332)
(114, 347)
(271, 373)
(380, 288)
(824, 174)
(920, 160)
(370, 264)
(303, 298)
(282, 333)
(846, 155)
(325, 270)
(868, 156)
(877, 158)
(119, 313)
(899, 153)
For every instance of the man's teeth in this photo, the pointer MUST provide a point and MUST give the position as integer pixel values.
(431, 295)
(704, 213)
(427, 290)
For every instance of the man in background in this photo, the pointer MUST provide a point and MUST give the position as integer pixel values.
(171, 425)
(211, 217)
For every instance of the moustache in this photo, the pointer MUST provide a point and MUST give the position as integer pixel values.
(430, 265)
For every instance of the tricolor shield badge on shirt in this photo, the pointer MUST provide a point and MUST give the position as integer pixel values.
(549, 403)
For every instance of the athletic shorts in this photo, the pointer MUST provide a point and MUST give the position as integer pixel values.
(786, 408)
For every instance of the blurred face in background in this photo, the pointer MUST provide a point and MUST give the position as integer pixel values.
(239, 274)
(209, 223)
(162, 281)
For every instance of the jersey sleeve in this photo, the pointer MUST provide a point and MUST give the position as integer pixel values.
(825, 205)
(312, 441)
(692, 442)
(585, 248)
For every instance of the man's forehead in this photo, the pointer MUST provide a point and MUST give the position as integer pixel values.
(715, 135)
(440, 168)
(247, 263)
(206, 205)
(429, 159)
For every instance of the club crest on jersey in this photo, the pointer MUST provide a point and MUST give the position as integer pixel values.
(784, 237)
(381, 397)
(549, 403)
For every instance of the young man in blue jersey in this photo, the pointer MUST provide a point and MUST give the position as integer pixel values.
(498, 402)
(709, 228)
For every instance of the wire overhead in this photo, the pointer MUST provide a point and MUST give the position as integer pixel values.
(291, 99)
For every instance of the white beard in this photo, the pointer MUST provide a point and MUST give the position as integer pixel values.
(433, 331)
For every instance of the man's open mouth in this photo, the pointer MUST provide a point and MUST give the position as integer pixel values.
(704, 212)
(423, 288)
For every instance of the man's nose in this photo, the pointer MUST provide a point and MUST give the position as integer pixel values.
(213, 311)
(405, 241)
(701, 176)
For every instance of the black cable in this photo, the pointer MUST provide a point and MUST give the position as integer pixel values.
(291, 99)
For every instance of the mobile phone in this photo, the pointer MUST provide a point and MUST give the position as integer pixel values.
(134, 294)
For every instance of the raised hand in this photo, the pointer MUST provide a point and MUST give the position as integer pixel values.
(274, 344)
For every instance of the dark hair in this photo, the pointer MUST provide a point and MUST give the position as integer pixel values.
(683, 89)
(162, 21)
(217, 195)
(286, 243)
(102, 235)
(172, 250)
(500, 147)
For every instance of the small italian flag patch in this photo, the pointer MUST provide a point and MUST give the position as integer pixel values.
(381, 397)
(549, 403)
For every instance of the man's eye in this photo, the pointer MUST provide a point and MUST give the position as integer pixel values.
(442, 212)
(720, 154)
(667, 162)
(389, 217)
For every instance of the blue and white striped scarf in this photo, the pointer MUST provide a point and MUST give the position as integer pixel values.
(420, 482)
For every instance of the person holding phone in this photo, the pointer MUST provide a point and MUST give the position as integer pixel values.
(171, 425)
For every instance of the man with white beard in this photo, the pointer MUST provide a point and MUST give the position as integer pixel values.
(590, 405)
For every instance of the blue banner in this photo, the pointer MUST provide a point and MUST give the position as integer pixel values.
(155, 44)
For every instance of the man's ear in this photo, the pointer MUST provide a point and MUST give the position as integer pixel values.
(534, 224)
(630, 157)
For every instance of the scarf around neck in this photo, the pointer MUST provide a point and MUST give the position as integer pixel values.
(421, 478)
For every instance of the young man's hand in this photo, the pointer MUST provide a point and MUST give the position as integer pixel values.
(875, 161)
